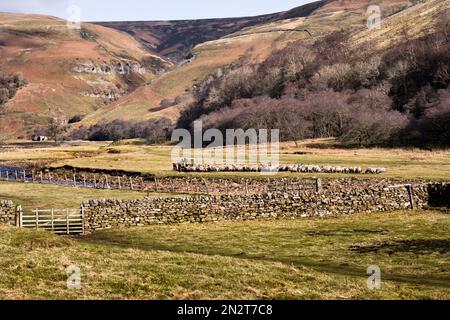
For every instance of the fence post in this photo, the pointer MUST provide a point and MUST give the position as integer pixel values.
(319, 185)
(33, 178)
(24, 176)
(67, 221)
(16, 175)
(119, 183)
(41, 176)
(53, 220)
(95, 182)
(131, 183)
(106, 182)
(410, 193)
(84, 180)
(19, 216)
(82, 219)
(156, 184)
(74, 180)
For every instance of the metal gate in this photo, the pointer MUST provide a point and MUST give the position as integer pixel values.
(59, 221)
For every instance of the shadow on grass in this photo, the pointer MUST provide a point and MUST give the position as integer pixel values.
(343, 232)
(117, 239)
(420, 246)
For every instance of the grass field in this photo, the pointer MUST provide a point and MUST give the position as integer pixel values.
(285, 259)
(400, 163)
(45, 196)
(317, 258)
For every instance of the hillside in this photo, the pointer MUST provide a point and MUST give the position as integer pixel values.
(68, 71)
(252, 43)
(174, 39)
(97, 73)
(387, 86)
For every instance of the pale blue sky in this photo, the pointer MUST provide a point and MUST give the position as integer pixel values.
(109, 10)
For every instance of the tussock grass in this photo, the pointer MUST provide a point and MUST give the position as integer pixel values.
(285, 259)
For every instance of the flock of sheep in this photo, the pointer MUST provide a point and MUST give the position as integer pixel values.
(186, 167)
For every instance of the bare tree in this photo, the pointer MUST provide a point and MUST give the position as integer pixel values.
(55, 129)
(373, 127)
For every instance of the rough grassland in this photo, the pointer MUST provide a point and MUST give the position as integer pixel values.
(31, 196)
(285, 259)
(400, 163)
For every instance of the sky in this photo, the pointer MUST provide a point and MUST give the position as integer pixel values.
(132, 10)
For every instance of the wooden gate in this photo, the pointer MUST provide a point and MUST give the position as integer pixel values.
(59, 221)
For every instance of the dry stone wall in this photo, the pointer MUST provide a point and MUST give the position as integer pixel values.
(337, 197)
(103, 214)
(197, 185)
(7, 212)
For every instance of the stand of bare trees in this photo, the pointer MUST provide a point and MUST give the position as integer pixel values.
(361, 96)
(153, 131)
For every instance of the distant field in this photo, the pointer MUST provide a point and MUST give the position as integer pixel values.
(37, 196)
(319, 258)
(400, 163)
